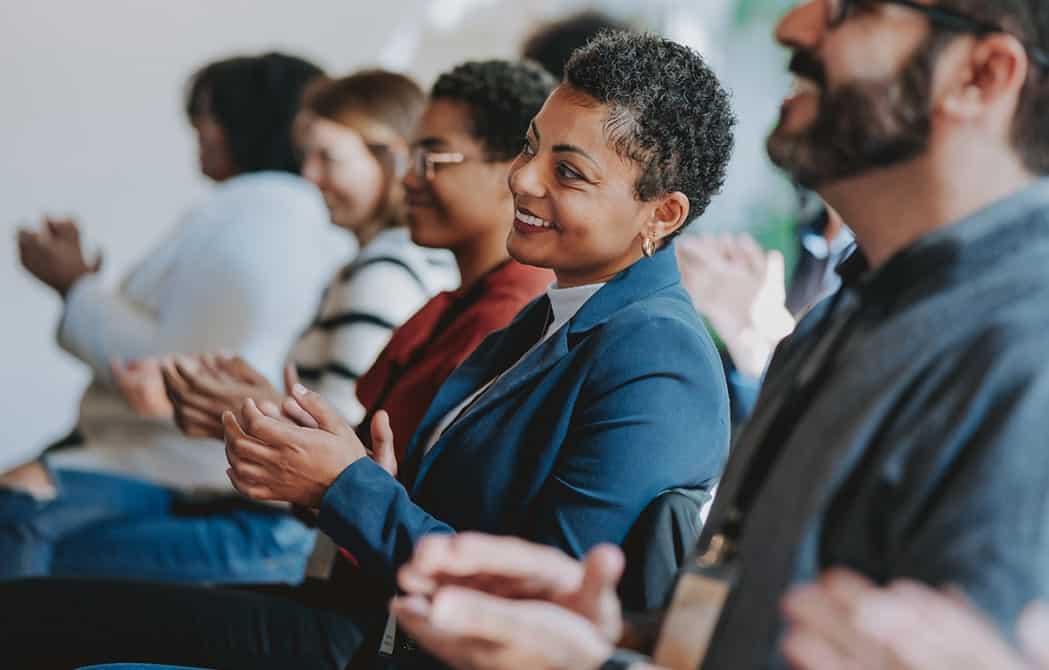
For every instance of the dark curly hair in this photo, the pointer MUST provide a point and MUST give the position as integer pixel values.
(667, 112)
(254, 99)
(503, 96)
(552, 44)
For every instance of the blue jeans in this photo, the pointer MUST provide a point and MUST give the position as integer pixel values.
(134, 666)
(108, 526)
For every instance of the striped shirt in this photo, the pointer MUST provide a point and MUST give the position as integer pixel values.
(386, 284)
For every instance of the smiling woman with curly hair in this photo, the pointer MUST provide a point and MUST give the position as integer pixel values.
(601, 395)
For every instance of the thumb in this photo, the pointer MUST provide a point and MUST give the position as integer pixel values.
(382, 442)
(291, 377)
(323, 413)
(97, 265)
(597, 599)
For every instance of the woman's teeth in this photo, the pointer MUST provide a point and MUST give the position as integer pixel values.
(533, 220)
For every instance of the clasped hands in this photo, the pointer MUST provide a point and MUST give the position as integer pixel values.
(494, 603)
(279, 448)
(294, 451)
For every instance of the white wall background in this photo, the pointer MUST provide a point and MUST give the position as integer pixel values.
(91, 125)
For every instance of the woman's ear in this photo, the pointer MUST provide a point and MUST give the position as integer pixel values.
(668, 216)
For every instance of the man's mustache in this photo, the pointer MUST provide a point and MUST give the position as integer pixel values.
(804, 64)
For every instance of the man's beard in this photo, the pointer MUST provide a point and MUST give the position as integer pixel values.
(860, 126)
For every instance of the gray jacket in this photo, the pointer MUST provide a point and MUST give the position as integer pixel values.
(924, 451)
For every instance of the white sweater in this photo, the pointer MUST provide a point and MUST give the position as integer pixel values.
(390, 280)
(239, 273)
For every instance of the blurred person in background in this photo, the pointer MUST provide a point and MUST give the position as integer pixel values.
(457, 199)
(232, 275)
(742, 292)
(552, 43)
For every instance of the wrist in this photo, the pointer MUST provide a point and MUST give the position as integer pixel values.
(64, 286)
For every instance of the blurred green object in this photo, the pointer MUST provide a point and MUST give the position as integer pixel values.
(748, 11)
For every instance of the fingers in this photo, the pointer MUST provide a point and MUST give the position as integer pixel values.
(1034, 633)
(119, 370)
(751, 252)
(382, 442)
(823, 608)
(272, 410)
(776, 268)
(323, 413)
(806, 650)
(63, 228)
(185, 395)
(294, 411)
(244, 454)
(507, 566)
(413, 615)
(263, 428)
(291, 377)
(602, 569)
(241, 370)
(195, 423)
(469, 613)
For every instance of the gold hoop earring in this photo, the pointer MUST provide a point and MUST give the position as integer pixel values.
(648, 247)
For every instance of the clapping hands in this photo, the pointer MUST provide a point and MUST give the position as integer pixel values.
(741, 290)
(53, 254)
(477, 601)
(294, 451)
(202, 387)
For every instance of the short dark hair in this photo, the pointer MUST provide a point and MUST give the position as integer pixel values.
(254, 99)
(552, 44)
(1029, 21)
(667, 112)
(503, 97)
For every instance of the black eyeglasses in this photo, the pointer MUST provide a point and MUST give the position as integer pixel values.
(839, 10)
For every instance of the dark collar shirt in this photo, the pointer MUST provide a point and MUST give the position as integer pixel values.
(908, 417)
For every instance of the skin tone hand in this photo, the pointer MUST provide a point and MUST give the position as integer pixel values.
(741, 290)
(272, 459)
(53, 254)
(470, 630)
(507, 567)
(201, 388)
(489, 602)
(845, 621)
(142, 385)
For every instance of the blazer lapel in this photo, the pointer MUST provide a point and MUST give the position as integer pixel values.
(492, 357)
(642, 279)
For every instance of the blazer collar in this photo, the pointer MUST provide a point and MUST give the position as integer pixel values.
(640, 280)
(637, 282)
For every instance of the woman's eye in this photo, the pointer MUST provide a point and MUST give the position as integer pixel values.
(566, 172)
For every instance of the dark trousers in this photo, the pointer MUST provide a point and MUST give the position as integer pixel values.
(56, 624)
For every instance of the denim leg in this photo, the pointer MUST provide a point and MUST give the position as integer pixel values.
(135, 666)
(30, 528)
(245, 544)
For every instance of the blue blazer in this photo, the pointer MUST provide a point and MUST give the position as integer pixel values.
(624, 402)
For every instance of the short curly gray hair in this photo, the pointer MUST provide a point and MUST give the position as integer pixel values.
(667, 111)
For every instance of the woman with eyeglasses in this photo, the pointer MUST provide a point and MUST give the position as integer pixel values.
(355, 134)
(601, 395)
(457, 200)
